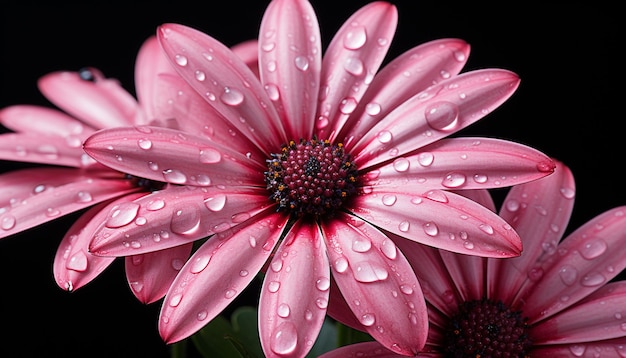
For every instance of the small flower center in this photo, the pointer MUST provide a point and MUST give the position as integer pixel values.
(483, 328)
(311, 177)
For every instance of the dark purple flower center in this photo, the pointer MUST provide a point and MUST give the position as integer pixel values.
(311, 178)
(484, 328)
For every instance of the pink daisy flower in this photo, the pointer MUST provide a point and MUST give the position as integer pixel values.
(558, 299)
(71, 180)
(317, 166)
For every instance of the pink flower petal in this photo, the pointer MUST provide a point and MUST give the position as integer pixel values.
(217, 273)
(172, 156)
(600, 316)
(463, 163)
(294, 296)
(178, 102)
(539, 211)
(378, 284)
(437, 285)
(481, 196)
(44, 149)
(585, 260)
(607, 348)
(35, 119)
(248, 52)
(350, 62)
(437, 112)
(218, 75)
(405, 76)
(150, 275)
(440, 219)
(103, 102)
(362, 350)
(290, 63)
(339, 309)
(467, 273)
(175, 216)
(151, 62)
(74, 266)
(38, 202)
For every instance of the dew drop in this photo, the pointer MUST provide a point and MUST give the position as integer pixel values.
(78, 262)
(284, 339)
(232, 96)
(361, 244)
(437, 195)
(302, 63)
(215, 203)
(83, 197)
(512, 205)
(406, 289)
(389, 199)
(174, 176)
(384, 137)
(273, 286)
(230, 293)
(202, 315)
(367, 319)
(347, 105)
(8, 222)
(442, 116)
(272, 91)
(199, 263)
(373, 109)
(144, 144)
(355, 38)
(122, 214)
(322, 284)
(486, 228)
(341, 265)
(181, 60)
(591, 250)
(568, 193)
(186, 220)
(354, 66)
(200, 76)
(577, 350)
(404, 226)
(366, 271)
(592, 279)
(156, 204)
(568, 274)
(210, 156)
(425, 159)
(175, 300)
(453, 180)
(431, 229)
(401, 165)
(389, 249)
(283, 310)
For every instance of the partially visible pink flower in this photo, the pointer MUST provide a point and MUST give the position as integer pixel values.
(555, 300)
(349, 157)
(72, 181)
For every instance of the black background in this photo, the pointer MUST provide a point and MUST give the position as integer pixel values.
(569, 105)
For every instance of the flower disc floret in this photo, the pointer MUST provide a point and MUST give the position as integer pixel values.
(311, 178)
(484, 328)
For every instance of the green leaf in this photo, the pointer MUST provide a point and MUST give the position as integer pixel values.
(347, 335)
(327, 339)
(212, 340)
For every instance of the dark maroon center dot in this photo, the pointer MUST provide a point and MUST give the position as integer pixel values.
(313, 178)
(484, 328)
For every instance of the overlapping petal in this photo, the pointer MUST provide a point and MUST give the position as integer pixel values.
(378, 284)
(227, 83)
(586, 260)
(440, 219)
(190, 159)
(352, 58)
(435, 113)
(206, 284)
(43, 120)
(463, 163)
(180, 215)
(290, 61)
(294, 296)
(44, 149)
(103, 102)
(405, 76)
(37, 195)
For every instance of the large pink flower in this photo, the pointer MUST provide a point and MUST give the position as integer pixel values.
(72, 181)
(555, 300)
(316, 166)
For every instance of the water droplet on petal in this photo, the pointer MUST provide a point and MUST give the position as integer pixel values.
(367, 319)
(232, 96)
(284, 339)
(591, 250)
(361, 244)
(144, 144)
(453, 180)
(186, 220)
(425, 159)
(273, 286)
(592, 279)
(355, 38)
(347, 105)
(210, 155)
(83, 197)
(341, 265)
(373, 109)
(283, 310)
(181, 60)
(199, 263)
(577, 350)
(215, 203)
(389, 199)
(122, 214)
(437, 195)
(404, 226)
(384, 137)
(302, 63)
(401, 165)
(78, 262)
(366, 271)
(389, 249)
(430, 228)
(442, 116)
(322, 284)
(156, 204)
(568, 274)
(354, 66)
(174, 176)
